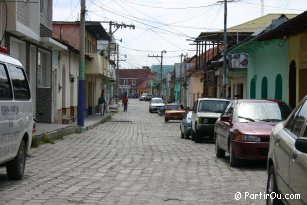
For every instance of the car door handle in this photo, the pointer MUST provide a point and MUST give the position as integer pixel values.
(277, 140)
(294, 155)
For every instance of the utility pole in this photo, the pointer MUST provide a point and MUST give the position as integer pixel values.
(185, 80)
(81, 66)
(225, 80)
(225, 50)
(183, 60)
(117, 25)
(161, 69)
(117, 72)
(181, 97)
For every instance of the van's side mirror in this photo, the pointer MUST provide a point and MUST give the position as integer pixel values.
(301, 145)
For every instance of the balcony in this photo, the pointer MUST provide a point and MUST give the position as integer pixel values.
(97, 65)
(24, 20)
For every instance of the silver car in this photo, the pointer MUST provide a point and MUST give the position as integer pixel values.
(287, 159)
(185, 125)
(155, 104)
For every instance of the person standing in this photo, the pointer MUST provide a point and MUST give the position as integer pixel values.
(101, 102)
(125, 103)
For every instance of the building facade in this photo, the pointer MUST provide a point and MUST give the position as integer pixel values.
(26, 31)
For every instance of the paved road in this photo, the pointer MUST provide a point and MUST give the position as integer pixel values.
(136, 159)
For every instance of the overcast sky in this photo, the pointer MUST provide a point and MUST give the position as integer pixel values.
(167, 24)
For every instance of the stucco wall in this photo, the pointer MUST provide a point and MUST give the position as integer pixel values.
(195, 87)
(269, 60)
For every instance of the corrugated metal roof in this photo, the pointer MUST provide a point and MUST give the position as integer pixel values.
(261, 22)
(291, 27)
(240, 32)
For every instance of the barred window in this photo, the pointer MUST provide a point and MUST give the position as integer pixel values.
(44, 69)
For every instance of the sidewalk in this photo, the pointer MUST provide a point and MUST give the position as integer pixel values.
(52, 130)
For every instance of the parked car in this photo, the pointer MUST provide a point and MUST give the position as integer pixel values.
(16, 117)
(143, 97)
(173, 111)
(205, 113)
(185, 125)
(155, 104)
(148, 97)
(287, 158)
(244, 128)
(161, 111)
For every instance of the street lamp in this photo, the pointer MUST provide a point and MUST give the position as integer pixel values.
(161, 69)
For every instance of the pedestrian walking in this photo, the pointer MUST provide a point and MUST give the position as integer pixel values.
(101, 103)
(125, 103)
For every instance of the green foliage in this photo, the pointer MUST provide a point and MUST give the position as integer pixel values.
(35, 142)
(45, 139)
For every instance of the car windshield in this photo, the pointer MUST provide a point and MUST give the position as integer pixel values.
(212, 106)
(156, 101)
(262, 111)
(174, 107)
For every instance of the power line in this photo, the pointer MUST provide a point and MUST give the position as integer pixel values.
(134, 19)
(172, 8)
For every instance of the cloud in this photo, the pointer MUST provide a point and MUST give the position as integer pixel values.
(167, 24)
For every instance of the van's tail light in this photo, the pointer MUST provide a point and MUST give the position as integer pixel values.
(3, 50)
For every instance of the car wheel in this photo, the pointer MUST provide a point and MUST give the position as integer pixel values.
(192, 135)
(219, 152)
(233, 161)
(182, 135)
(272, 188)
(165, 119)
(185, 134)
(16, 167)
(150, 110)
(197, 137)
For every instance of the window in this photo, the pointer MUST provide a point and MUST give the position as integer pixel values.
(298, 121)
(253, 89)
(46, 12)
(212, 106)
(133, 82)
(20, 84)
(44, 69)
(5, 87)
(278, 87)
(264, 88)
(262, 111)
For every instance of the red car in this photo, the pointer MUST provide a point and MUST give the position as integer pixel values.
(244, 128)
(174, 111)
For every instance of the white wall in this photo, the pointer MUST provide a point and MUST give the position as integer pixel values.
(74, 71)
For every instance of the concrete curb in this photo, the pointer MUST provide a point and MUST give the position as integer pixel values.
(70, 129)
(59, 132)
(107, 118)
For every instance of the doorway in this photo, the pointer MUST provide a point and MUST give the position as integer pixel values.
(292, 84)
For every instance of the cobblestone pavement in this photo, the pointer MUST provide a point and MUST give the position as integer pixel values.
(136, 159)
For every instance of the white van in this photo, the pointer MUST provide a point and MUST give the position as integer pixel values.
(16, 118)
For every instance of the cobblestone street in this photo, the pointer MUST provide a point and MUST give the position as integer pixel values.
(136, 158)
